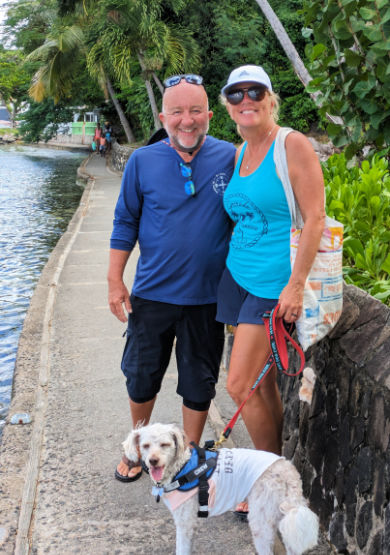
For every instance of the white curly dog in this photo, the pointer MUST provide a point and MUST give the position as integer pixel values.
(270, 483)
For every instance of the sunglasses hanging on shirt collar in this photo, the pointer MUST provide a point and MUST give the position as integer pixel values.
(189, 186)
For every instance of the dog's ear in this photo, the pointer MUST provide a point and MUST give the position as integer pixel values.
(131, 446)
(178, 438)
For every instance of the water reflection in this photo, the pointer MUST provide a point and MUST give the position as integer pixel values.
(38, 195)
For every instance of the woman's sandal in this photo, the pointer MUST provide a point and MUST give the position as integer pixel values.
(130, 464)
(241, 514)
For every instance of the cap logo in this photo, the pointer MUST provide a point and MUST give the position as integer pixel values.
(243, 73)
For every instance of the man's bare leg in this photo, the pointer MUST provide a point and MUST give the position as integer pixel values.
(193, 423)
(140, 415)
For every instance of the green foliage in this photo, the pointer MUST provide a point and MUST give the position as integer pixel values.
(27, 22)
(42, 119)
(57, 55)
(9, 131)
(14, 79)
(360, 199)
(349, 60)
(135, 101)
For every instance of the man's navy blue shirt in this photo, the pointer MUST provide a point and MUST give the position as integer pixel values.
(183, 240)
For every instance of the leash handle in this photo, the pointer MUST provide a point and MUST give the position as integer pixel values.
(278, 332)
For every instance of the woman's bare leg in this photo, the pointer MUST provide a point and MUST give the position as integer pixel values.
(263, 412)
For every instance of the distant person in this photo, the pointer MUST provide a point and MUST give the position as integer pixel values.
(171, 203)
(108, 134)
(103, 145)
(98, 135)
(258, 271)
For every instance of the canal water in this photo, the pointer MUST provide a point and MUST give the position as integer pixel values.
(39, 193)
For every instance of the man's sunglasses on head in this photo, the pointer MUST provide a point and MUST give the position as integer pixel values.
(191, 78)
(256, 93)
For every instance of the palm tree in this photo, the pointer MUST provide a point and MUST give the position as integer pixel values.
(58, 55)
(118, 37)
(134, 33)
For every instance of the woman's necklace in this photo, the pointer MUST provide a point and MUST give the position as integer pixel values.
(261, 144)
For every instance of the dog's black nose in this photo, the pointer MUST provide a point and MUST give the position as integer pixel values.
(153, 462)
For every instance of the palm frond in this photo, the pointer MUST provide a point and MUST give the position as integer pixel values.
(37, 90)
(121, 61)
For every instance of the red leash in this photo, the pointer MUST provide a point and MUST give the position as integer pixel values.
(279, 334)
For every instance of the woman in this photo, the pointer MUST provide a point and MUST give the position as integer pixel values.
(258, 272)
(97, 136)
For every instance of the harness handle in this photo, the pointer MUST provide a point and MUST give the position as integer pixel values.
(279, 333)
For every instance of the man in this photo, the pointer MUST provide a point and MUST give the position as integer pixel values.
(171, 202)
(108, 135)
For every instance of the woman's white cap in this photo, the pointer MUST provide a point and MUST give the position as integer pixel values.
(247, 74)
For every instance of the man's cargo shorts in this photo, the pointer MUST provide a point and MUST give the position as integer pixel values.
(152, 329)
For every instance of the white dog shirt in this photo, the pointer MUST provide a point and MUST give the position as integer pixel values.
(236, 472)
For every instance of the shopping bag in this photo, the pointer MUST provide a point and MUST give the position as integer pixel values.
(323, 291)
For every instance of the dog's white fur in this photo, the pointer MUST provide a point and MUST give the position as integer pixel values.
(307, 385)
(275, 499)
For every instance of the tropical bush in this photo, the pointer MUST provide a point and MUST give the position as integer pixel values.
(349, 62)
(359, 197)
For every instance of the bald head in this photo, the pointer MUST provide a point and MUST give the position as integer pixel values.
(185, 115)
(180, 92)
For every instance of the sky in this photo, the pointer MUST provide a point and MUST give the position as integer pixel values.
(3, 8)
(2, 15)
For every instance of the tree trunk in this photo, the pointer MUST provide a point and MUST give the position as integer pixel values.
(125, 124)
(152, 100)
(158, 83)
(292, 54)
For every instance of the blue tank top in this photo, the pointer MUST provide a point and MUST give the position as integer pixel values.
(259, 250)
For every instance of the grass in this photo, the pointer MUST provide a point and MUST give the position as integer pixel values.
(8, 131)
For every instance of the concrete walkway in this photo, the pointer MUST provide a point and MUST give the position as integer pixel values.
(58, 493)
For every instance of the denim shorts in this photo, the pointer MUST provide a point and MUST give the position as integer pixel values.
(152, 329)
(237, 306)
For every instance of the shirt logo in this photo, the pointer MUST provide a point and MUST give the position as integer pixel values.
(219, 183)
(251, 224)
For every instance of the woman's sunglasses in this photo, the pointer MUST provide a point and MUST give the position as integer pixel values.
(235, 96)
(191, 78)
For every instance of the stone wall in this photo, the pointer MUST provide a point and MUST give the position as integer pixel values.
(119, 156)
(340, 442)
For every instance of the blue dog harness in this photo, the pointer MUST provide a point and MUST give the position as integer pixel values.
(195, 474)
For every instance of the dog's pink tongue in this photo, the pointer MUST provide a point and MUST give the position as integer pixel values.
(156, 472)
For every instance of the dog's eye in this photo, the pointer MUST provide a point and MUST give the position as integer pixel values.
(165, 444)
(145, 446)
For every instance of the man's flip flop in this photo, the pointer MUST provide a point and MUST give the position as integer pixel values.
(130, 464)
